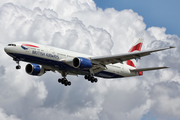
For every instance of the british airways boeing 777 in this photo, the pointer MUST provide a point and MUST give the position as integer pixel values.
(43, 58)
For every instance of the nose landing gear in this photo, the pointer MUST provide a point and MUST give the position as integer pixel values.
(18, 67)
(17, 61)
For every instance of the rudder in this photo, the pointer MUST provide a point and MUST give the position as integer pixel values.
(135, 48)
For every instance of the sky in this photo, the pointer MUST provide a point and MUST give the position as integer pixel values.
(83, 26)
(161, 13)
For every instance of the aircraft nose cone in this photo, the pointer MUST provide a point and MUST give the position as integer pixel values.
(6, 49)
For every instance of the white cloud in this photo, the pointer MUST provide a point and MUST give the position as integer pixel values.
(124, 26)
(4, 116)
(79, 26)
(166, 97)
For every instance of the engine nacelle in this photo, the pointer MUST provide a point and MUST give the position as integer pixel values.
(34, 69)
(82, 63)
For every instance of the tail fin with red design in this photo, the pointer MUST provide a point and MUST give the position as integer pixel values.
(135, 48)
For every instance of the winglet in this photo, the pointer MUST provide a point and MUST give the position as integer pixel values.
(172, 47)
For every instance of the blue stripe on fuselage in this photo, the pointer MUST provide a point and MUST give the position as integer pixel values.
(61, 65)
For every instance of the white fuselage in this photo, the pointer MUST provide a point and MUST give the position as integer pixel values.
(53, 58)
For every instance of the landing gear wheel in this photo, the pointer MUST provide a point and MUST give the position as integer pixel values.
(59, 80)
(69, 83)
(86, 77)
(95, 79)
(18, 67)
(64, 81)
(91, 78)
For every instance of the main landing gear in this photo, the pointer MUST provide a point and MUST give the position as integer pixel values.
(91, 78)
(64, 81)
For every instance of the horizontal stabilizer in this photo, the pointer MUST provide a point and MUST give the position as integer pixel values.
(147, 69)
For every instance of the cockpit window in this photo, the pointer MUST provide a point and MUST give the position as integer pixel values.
(11, 44)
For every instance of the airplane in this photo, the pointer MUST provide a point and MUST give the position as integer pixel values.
(42, 58)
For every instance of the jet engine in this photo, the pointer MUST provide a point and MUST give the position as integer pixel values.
(82, 63)
(34, 69)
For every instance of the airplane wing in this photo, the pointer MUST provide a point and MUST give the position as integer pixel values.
(105, 60)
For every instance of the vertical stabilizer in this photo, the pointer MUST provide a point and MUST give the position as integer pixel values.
(135, 48)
